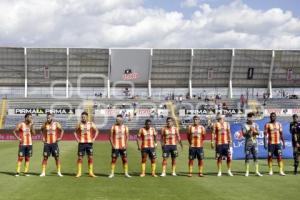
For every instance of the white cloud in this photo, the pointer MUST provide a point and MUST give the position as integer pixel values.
(189, 3)
(127, 23)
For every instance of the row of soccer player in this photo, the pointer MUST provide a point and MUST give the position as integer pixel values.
(86, 133)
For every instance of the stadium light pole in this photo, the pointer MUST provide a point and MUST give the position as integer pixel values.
(149, 74)
(25, 66)
(270, 75)
(67, 75)
(190, 74)
(108, 75)
(230, 75)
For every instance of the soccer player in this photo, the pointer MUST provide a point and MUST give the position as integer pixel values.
(297, 148)
(273, 132)
(52, 132)
(169, 137)
(84, 135)
(195, 136)
(23, 133)
(222, 135)
(119, 141)
(149, 143)
(250, 132)
(295, 131)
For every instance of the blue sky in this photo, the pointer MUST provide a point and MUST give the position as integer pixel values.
(174, 5)
(254, 24)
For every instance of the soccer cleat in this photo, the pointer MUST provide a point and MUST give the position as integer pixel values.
(154, 175)
(281, 173)
(59, 174)
(163, 174)
(17, 174)
(92, 175)
(295, 172)
(42, 175)
(219, 174)
(258, 174)
(229, 173)
(127, 175)
(111, 175)
(174, 174)
(78, 175)
(25, 174)
(189, 175)
(200, 175)
(270, 173)
(142, 175)
(247, 174)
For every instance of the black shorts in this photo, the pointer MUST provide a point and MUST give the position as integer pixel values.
(51, 149)
(85, 148)
(250, 150)
(196, 152)
(115, 153)
(222, 150)
(274, 150)
(150, 152)
(25, 150)
(170, 150)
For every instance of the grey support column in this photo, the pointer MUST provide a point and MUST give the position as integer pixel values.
(25, 68)
(190, 74)
(270, 75)
(230, 75)
(67, 76)
(149, 74)
(108, 75)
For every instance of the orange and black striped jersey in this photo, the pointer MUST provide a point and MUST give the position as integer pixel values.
(147, 137)
(119, 136)
(24, 133)
(196, 135)
(273, 130)
(51, 132)
(86, 132)
(222, 133)
(170, 136)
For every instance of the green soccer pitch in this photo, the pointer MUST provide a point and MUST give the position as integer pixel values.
(181, 187)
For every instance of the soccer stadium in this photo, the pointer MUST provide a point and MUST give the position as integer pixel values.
(149, 123)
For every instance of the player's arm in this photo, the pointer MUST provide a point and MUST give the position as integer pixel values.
(76, 131)
(188, 135)
(43, 133)
(281, 137)
(96, 131)
(162, 138)
(265, 136)
(32, 129)
(178, 137)
(111, 136)
(229, 135)
(255, 130)
(15, 132)
(61, 130)
(127, 137)
(155, 138)
(213, 136)
(138, 139)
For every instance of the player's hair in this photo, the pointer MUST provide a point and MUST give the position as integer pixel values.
(272, 113)
(196, 116)
(27, 114)
(295, 115)
(49, 113)
(250, 114)
(84, 113)
(147, 121)
(119, 115)
(171, 118)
